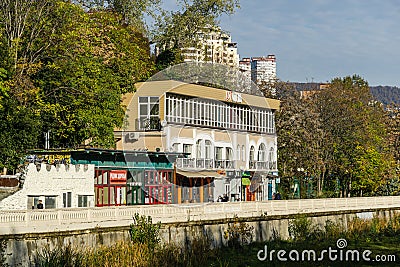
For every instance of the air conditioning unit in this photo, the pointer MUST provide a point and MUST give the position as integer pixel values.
(132, 137)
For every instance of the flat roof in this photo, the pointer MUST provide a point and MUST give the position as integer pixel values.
(158, 88)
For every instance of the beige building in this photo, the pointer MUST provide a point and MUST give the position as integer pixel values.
(214, 46)
(228, 136)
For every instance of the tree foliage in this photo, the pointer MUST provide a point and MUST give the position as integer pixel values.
(177, 29)
(340, 136)
(64, 71)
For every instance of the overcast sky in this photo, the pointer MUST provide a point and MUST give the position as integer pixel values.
(317, 40)
(322, 39)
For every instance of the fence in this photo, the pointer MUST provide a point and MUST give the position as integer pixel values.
(36, 221)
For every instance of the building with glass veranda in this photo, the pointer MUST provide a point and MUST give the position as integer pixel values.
(229, 138)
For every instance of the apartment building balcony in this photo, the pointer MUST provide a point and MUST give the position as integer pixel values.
(148, 124)
(225, 164)
(207, 164)
(262, 165)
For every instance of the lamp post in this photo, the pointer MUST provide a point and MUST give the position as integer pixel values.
(297, 184)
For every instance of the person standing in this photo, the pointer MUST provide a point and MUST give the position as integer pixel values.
(39, 205)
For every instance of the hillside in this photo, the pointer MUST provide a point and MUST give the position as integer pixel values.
(386, 94)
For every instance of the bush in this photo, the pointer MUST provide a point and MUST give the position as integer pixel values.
(63, 256)
(143, 231)
(238, 233)
(301, 228)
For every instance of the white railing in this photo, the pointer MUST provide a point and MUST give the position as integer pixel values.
(36, 221)
(208, 164)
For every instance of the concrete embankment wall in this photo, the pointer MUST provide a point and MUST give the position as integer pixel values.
(21, 248)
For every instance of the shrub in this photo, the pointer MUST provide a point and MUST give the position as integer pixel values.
(63, 256)
(300, 228)
(238, 233)
(143, 231)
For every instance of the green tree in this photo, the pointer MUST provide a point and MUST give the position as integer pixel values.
(94, 61)
(19, 127)
(177, 29)
(355, 142)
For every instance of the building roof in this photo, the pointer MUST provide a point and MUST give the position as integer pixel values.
(158, 88)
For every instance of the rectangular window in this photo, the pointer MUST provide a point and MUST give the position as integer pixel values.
(228, 189)
(67, 196)
(83, 201)
(218, 153)
(32, 202)
(50, 202)
(187, 148)
(149, 110)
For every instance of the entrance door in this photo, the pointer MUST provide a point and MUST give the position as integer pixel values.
(119, 195)
(136, 195)
(101, 196)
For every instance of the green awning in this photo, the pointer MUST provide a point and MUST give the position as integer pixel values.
(246, 181)
(246, 174)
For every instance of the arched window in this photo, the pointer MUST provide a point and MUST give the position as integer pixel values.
(243, 153)
(262, 153)
(271, 155)
(251, 158)
(229, 153)
(238, 152)
(199, 149)
(208, 149)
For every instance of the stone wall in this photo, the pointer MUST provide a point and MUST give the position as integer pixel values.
(22, 248)
(49, 180)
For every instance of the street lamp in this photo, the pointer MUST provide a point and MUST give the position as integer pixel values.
(297, 184)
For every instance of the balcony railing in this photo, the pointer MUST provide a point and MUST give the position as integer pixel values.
(210, 164)
(262, 165)
(225, 164)
(148, 124)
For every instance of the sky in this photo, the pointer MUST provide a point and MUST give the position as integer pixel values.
(318, 40)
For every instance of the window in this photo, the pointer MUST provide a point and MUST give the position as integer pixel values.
(227, 189)
(175, 147)
(218, 153)
(50, 202)
(199, 152)
(262, 151)
(251, 158)
(32, 202)
(238, 152)
(83, 201)
(208, 113)
(243, 153)
(148, 113)
(208, 149)
(271, 155)
(67, 199)
(187, 148)
(229, 153)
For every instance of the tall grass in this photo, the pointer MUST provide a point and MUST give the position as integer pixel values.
(199, 253)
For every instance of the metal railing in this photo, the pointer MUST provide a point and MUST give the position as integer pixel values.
(208, 164)
(37, 221)
(148, 124)
(262, 165)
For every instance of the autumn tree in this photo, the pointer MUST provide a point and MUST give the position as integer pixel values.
(355, 142)
(299, 136)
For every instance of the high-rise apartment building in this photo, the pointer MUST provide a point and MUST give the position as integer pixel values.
(263, 69)
(258, 69)
(213, 46)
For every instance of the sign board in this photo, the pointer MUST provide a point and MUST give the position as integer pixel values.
(233, 97)
(135, 184)
(118, 177)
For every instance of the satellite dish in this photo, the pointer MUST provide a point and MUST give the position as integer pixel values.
(163, 123)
